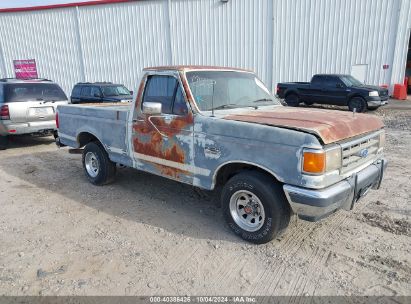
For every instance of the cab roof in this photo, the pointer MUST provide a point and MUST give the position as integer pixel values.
(193, 68)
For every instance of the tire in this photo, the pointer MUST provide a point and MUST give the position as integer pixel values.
(270, 204)
(358, 103)
(373, 108)
(4, 142)
(99, 169)
(292, 100)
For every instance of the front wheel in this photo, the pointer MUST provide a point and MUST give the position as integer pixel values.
(99, 169)
(357, 103)
(255, 207)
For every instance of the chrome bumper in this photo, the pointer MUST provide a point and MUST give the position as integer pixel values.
(377, 101)
(313, 205)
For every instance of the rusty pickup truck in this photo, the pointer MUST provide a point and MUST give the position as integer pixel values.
(221, 128)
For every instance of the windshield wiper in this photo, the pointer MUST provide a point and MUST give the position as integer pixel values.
(225, 106)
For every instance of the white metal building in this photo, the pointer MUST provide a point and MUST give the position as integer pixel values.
(282, 40)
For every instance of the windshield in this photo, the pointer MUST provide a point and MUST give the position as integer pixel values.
(219, 89)
(350, 81)
(115, 91)
(33, 91)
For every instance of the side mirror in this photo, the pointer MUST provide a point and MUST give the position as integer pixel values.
(131, 92)
(151, 108)
(340, 86)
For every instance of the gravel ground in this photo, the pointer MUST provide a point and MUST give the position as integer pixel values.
(145, 235)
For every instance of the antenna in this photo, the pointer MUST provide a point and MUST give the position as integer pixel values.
(212, 100)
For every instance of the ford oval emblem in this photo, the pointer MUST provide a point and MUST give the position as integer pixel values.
(363, 153)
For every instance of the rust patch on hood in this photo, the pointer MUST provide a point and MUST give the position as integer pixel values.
(331, 126)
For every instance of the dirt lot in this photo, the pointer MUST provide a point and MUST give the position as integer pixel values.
(145, 235)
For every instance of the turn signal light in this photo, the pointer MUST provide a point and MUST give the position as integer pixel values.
(314, 162)
(57, 120)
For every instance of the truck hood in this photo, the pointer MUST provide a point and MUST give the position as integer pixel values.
(370, 88)
(330, 126)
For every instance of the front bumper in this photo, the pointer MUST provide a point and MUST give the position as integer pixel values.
(313, 205)
(27, 128)
(377, 101)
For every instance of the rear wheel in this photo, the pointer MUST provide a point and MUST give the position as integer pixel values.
(255, 207)
(99, 169)
(292, 100)
(3, 142)
(357, 103)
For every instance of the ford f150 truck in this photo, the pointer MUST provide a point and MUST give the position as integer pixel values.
(341, 90)
(221, 128)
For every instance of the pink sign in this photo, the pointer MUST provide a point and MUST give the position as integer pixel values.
(25, 69)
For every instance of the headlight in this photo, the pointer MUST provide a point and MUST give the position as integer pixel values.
(381, 142)
(373, 94)
(333, 159)
(321, 161)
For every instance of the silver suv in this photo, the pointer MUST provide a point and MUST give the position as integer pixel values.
(28, 107)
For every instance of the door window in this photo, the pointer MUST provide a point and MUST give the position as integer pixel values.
(86, 92)
(161, 89)
(331, 82)
(167, 91)
(317, 80)
(76, 91)
(95, 92)
(180, 105)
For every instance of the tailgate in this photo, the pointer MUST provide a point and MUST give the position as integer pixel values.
(32, 111)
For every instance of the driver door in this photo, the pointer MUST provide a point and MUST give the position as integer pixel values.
(163, 142)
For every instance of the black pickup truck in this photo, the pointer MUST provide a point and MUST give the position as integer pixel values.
(335, 89)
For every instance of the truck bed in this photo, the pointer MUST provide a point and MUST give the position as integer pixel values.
(284, 87)
(299, 83)
(106, 121)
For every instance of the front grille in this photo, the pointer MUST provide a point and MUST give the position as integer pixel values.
(358, 152)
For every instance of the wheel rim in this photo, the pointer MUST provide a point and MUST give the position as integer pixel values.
(247, 210)
(92, 164)
(291, 100)
(357, 104)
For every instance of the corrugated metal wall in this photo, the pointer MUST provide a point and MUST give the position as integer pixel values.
(282, 40)
(329, 36)
(401, 43)
(119, 40)
(211, 32)
(47, 36)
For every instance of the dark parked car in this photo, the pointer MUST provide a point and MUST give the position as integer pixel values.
(86, 92)
(342, 90)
